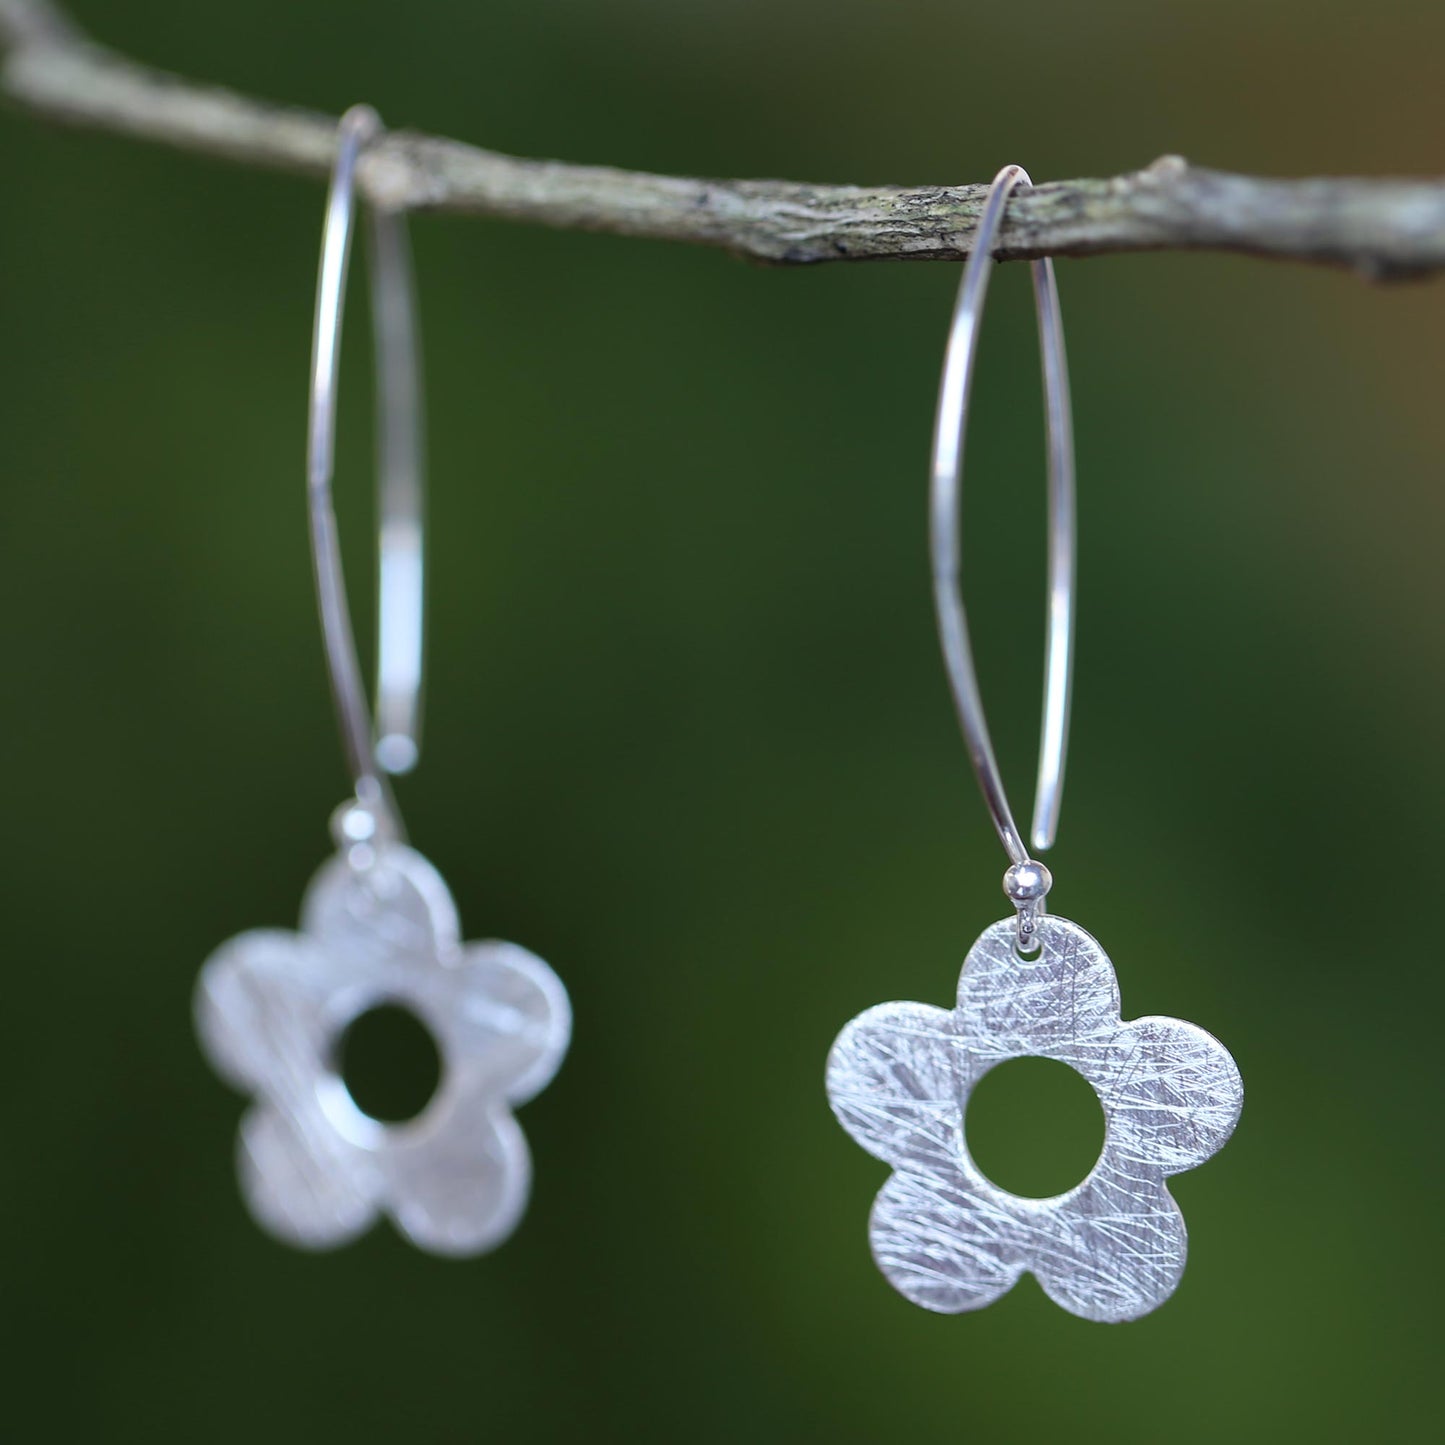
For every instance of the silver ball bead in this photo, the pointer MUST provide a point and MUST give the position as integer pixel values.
(1027, 882)
(353, 823)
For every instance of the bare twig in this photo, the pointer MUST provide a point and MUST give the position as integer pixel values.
(1382, 228)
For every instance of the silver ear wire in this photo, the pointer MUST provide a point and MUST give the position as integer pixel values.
(387, 741)
(1027, 879)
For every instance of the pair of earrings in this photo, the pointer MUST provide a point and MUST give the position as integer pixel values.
(378, 926)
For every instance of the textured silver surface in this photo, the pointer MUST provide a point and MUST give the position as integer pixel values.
(945, 1236)
(271, 1007)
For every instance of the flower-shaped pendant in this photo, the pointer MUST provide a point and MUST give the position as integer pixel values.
(948, 1238)
(271, 1007)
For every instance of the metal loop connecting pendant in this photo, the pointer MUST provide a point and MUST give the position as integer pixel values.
(1027, 882)
(900, 1075)
(388, 743)
(378, 925)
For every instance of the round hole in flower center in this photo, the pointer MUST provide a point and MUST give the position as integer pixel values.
(389, 1063)
(1034, 1126)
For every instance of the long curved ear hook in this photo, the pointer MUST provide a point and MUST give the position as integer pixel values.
(386, 742)
(1027, 881)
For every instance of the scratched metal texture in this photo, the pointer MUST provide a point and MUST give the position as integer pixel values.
(271, 1007)
(947, 1237)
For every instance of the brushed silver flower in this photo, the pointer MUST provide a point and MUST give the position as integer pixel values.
(947, 1237)
(271, 1007)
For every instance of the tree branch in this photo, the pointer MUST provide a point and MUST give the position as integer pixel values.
(1383, 229)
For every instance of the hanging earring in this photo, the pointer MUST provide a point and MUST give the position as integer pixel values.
(378, 925)
(900, 1075)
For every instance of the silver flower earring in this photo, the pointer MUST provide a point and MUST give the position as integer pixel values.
(378, 925)
(900, 1075)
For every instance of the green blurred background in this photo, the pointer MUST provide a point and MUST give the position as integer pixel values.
(688, 735)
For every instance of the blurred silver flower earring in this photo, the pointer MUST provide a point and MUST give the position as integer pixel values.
(900, 1075)
(378, 925)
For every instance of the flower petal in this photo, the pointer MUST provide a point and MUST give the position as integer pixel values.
(512, 1021)
(251, 1012)
(303, 1181)
(1062, 1003)
(942, 1244)
(1177, 1098)
(460, 1186)
(397, 908)
(1112, 1250)
(892, 1083)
